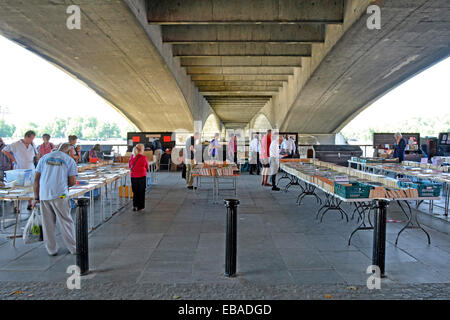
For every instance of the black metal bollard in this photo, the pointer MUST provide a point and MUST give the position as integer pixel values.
(231, 238)
(82, 236)
(379, 236)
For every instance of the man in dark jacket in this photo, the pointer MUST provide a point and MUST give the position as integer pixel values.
(399, 147)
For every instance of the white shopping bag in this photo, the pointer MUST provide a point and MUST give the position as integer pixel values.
(33, 229)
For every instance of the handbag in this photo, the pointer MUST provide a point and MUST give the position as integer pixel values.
(35, 161)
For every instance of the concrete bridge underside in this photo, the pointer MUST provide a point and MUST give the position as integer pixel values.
(307, 66)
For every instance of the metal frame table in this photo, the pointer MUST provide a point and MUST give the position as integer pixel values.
(375, 166)
(74, 192)
(379, 227)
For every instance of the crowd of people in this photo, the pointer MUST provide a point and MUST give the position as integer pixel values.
(264, 154)
(56, 170)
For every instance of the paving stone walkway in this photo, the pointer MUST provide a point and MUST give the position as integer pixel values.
(176, 249)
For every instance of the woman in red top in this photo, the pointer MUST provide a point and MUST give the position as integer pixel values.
(139, 166)
(46, 146)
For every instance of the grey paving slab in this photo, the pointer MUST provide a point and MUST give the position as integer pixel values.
(346, 257)
(415, 272)
(173, 255)
(168, 266)
(35, 260)
(296, 259)
(316, 277)
(181, 242)
(167, 277)
(145, 240)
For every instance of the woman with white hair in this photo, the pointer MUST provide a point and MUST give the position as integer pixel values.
(138, 164)
(399, 147)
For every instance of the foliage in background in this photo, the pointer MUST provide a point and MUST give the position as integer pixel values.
(6, 130)
(430, 126)
(89, 128)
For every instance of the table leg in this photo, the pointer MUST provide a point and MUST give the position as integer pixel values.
(447, 197)
(110, 200)
(412, 215)
(17, 221)
(3, 215)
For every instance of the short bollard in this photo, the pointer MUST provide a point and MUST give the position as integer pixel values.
(231, 238)
(82, 236)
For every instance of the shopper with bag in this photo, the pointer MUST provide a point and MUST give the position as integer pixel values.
(55, 173)
(139, 166)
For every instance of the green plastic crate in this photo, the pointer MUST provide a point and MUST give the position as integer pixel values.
(425, 189)
(357, 190)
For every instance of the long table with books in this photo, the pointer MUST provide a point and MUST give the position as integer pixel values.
(222, 175)
(366, 191)
(414, 171)
(95, 182)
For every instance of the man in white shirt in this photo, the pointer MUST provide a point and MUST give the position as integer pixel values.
(285, 146)
(274, 159)
(254, 148)
(55, 173)
(22, 154)
(293, 145)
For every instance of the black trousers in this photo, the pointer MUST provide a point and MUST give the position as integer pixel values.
(255, 166)
(138, 185)
(274, 180)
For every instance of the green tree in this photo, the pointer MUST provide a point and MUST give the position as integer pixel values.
(59, 130)
(75, 127)
(6, 130)
(108, 130)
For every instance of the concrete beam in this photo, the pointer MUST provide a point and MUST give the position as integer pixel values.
(241, 61)
(237, 77)
(242, 49)
(244, 105)
(239, 83)
(237, 88)
(234, 100)
(295, 33)
(249, 11)
(238, 93)
(241, 70)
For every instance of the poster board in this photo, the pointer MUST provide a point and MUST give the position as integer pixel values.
(167, 139)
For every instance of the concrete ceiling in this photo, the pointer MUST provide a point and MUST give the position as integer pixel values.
(240, 53)
(111, 54)
(307, 66)
(366, 64)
